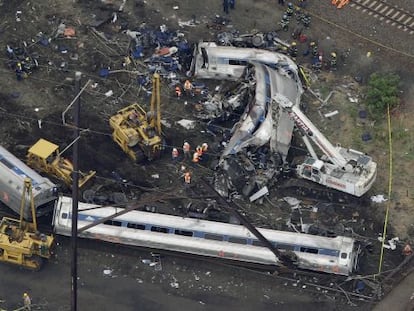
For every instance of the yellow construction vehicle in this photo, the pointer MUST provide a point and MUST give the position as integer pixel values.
(138, 132)
(20, 242)
(45, 157)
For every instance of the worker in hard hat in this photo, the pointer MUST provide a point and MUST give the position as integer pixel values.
(289, 10)
(284, 23)
(186, 150)
(333, 61)
(188, 87)
(196, 157)
(204, 149)
(174, 154)
(27, 302)
(293, 50)
(178, 92)
(187, 178)
(313, 48)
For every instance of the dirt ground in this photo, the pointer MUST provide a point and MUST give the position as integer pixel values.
(49, 90)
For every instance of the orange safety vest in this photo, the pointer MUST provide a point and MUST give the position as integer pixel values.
(195, 157)
(187, 178)
(178, 91)
(342, 3)
(199, 150)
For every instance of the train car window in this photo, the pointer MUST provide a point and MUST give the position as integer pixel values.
(257, 243)
(285, 246)
(233, 239)
(329, 252)
(159, 229)
(113, 223)
(183, 232)
(64, 215)
(7, 163)
(135, 226)
(309, 250)
(237, 62)
(344, 255)
(215, 237)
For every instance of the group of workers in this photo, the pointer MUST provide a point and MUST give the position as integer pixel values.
(301, 17)
(316, 54)
(200, 154)
(188, 88)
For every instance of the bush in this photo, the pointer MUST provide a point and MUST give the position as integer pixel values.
(382, 91)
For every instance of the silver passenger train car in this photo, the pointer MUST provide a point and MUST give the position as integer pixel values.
(338, 255)
(13, 172)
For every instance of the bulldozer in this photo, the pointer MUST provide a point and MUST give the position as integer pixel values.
(45, 157)
(138, 132)
(20, 241)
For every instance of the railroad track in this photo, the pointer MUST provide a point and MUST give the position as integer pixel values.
(387, 12)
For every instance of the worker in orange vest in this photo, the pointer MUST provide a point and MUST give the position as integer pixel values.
(199, 150)
(174, 154)
(342, 4)
(186, 149)
(335, 2)
(196, 157)
(178, 91)
(187, 178)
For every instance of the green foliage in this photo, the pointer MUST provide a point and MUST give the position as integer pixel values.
(382, 91)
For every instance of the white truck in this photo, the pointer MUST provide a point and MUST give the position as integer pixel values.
(346, 170)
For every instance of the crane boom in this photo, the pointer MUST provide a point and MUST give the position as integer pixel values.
(311, 131)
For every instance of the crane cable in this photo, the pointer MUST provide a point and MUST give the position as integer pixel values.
(384, 233)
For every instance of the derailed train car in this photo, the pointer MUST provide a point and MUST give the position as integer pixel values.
(13, 172)
(335, 255)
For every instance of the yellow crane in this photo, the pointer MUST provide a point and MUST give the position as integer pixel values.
(138, 132)
(20, 242)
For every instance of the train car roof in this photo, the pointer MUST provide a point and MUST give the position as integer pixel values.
(93, 212)
(12, 164)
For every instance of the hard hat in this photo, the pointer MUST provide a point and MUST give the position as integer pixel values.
(25, 295)
(333, 54)
(293, 43)
(312, 43)
(290, 5)
(285, 16)
(175, 149)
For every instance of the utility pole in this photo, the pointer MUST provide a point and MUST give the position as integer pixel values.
(75, 194)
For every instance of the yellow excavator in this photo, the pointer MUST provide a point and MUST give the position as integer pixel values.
(138, 132)
(45, 157)
(20, 241)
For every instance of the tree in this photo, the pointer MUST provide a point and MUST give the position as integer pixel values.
(382, 91)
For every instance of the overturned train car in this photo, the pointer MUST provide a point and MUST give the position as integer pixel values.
(337, 255)
(13, 173)
(273, 73)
